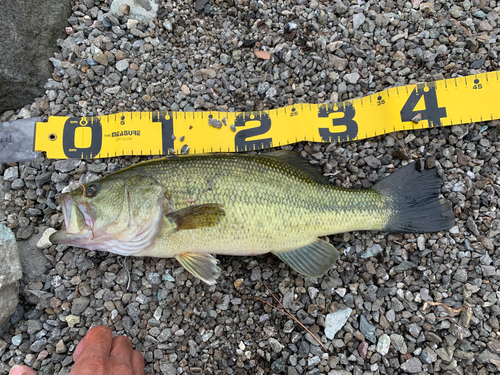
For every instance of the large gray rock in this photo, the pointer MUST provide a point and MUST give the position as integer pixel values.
(10, 265)
(10, 272)
(8, 302)
(29, 30)
(34, 263)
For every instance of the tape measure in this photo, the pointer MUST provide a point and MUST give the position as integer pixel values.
(452, 101)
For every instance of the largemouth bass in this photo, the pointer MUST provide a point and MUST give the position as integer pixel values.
(191, 207)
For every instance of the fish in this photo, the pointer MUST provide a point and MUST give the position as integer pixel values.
(195, 206)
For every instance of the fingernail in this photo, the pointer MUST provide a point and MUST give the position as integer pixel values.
(16, 370)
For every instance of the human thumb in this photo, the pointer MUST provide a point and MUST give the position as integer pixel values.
(21, 370)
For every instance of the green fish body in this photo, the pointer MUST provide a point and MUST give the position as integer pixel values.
(190, 207)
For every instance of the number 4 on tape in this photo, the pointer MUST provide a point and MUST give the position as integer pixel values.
(432, 112)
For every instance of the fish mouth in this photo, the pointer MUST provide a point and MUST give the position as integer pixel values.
(78, 223)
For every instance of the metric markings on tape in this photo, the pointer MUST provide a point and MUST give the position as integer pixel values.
(452, 101)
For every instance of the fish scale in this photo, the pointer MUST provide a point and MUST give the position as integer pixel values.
(269, 205)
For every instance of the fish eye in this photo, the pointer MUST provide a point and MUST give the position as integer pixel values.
(90, 191)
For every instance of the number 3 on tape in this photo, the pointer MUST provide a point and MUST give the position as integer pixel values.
(344, 127)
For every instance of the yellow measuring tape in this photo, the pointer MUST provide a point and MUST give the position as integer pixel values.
(452, 101)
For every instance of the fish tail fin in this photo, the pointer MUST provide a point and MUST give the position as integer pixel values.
(413, 198)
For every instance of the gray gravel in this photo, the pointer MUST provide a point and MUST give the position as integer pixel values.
(421, 303)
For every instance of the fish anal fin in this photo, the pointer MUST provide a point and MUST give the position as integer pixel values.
(199, 216)
(311, 260)
(202, 265)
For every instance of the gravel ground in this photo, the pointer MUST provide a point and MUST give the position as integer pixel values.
(416, 303)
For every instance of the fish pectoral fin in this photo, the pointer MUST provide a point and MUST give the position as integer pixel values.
(311, 260)
(199, 216)
(202, 265)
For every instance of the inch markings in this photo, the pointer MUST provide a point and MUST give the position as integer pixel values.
(418, 106)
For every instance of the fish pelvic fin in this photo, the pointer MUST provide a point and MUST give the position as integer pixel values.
(413, 199)
(199, 216)
(312, 260)
(202, 265)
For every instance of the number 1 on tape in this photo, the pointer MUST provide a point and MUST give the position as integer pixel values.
(452, 101)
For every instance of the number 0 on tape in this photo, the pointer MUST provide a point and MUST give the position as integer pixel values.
(448, 102)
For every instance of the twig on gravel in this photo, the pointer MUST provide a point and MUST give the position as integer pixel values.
(451, 310)
(458, 334)
(285, 311)
(150, 346)
(459, 24)
(205, 71)
(401, 144)
(442, 317)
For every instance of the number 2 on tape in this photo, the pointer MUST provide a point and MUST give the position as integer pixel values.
(241, 142)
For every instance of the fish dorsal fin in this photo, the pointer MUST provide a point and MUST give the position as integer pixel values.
(297, 161)
(311, 260)
(202, 265)
(199, 216)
